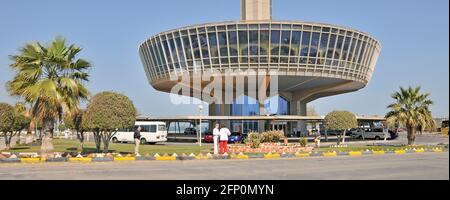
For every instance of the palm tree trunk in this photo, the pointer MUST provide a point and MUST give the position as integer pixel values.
(29, 137)
(47, 143)
(411, 135)
(81, 139)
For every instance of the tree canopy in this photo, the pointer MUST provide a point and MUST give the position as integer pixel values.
(411, 108)
(51, 78)
(74, 120)
(340, 121)
(108, 111)
(21, 122)
(7, 116)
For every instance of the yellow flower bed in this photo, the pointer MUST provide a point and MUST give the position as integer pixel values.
(121, 159)
(32, 160)
(355, 153)
(329, 154)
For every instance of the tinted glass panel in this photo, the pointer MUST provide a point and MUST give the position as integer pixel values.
(152, 128)
(346, 48)
(254, 47)
(352, 48)
(213, 45)
(339, 45)
(174, 51)
(305, 43)
(232, 40)
(167, 51)
(223, 44)
(243, 43)
(314, 45)
(275, 43)
(187, 47)
(331, 46)
(285, 42)
(296, 36)
(264, 39)
(323, 45)
(195, 46)
(161, 128)
(204, 45)
(180, 52)
(363, 52)
(358, 48)
(161, 53)
(245, 106)
(277, 105)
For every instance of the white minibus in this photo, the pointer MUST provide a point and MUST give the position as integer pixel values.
(151, 132)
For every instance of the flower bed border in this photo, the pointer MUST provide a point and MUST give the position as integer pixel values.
(200, 156)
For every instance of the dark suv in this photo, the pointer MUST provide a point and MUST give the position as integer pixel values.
(190, 131)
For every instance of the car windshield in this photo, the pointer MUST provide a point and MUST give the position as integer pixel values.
(162, 128)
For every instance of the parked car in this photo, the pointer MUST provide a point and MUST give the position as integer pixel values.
(190, 131)
(329, 132)
(151, 132)
(208, 138)
(235, 137)
(374, 134)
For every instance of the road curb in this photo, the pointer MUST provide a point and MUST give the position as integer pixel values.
(102, 159)
(80, 160)
(56, 160)
(239, 156)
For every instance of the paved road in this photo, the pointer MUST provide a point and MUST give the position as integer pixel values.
(391, 167)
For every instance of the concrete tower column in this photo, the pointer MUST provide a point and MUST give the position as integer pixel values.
(299, 108)
(220, 110)
(256, 10)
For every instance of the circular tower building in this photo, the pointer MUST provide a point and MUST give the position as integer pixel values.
(311, 61)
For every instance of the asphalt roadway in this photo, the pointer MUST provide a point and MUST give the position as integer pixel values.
(426, 166)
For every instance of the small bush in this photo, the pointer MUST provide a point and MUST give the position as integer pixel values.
(253, 139)
(272, 136)
(303, 142)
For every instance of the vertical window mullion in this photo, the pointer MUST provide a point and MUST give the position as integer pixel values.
(290, 49)
(145, 53)
(300, 49)
(162, 55)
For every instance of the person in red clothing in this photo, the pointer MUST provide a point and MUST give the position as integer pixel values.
(224, 133)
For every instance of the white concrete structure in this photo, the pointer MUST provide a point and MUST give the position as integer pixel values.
(313, 60)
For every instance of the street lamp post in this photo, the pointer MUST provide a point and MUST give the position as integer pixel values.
(200, 108)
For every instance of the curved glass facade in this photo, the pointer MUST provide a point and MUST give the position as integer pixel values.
(247, 106)
(277, 105)
(291, 46)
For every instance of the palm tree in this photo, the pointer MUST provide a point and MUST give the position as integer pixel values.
(51, 79)
(411, 108)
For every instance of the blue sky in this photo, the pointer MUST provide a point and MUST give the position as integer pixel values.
(414, 35)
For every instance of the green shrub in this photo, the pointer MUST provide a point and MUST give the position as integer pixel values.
(253, 139)
(303, 142)
(272, 136)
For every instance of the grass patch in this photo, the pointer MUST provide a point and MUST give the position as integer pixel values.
(61, 145)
